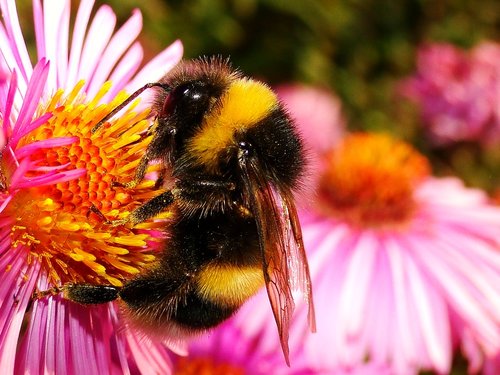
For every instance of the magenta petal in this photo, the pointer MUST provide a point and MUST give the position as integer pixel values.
(15, 295)
(47, 143)
(15, 35)
(7, 110)
(36, 123)
(31, 101)
(50, 178)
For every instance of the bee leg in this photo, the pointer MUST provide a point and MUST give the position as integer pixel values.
(150, 209)
(140, 172)
(87, 294)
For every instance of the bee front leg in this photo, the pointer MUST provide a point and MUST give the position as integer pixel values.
(148, 210)
(140, 172)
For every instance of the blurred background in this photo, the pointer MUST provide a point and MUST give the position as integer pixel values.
(359, 49)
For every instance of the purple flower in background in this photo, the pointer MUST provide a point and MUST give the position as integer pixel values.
(458, 92)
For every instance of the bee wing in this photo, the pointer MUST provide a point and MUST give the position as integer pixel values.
(283, 257)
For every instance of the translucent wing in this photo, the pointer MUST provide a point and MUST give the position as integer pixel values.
(283, 257)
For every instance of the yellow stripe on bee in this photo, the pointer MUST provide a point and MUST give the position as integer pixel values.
(242, 105)
(229, 285)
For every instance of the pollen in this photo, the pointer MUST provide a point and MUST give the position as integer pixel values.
(369, 180)
(205, 366)
(58, 220)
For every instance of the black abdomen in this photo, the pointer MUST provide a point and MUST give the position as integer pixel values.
(176, 290)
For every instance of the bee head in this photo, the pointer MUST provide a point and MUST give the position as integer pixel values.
(193, 88)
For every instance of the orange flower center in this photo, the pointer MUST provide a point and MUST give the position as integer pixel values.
(205, 366)
(369, 180)
(55, 222)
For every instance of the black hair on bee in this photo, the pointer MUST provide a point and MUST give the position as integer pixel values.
(235, 157)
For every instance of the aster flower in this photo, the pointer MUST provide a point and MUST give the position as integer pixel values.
(457, 92)
(53, 170)
(405, 266)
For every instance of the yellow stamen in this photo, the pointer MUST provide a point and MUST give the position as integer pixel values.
(55, 221)
(369, 180)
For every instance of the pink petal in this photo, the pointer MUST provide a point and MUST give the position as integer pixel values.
(7, 127)
(27, 150)
(52, 178)
(31, 101)
(402, 303)
(56, 29)
(158, 66)
(117, 46)
(432, 319)
(98, 36)
(14, 33)
(458, 293)
(9, 64)
(78, 35)
(14, 288)
(148, 356)
(380, 330)
(39, 28)
(357, 281)
(125, 70)
(119, 342)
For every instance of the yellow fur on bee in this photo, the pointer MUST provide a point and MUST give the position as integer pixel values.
(243, 104)
(229, 285)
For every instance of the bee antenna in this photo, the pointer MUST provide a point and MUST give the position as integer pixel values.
(127, 101)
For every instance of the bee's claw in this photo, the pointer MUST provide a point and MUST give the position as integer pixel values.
(117, 184)
(117, 223)
(127, 185)
(105, 221)
(95, 210)
(39, 294)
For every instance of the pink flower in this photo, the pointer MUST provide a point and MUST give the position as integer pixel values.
(318, 113)
(405, 267)
(52, 170)
(458, 92)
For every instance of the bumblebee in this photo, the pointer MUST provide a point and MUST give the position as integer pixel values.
(235, 158)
